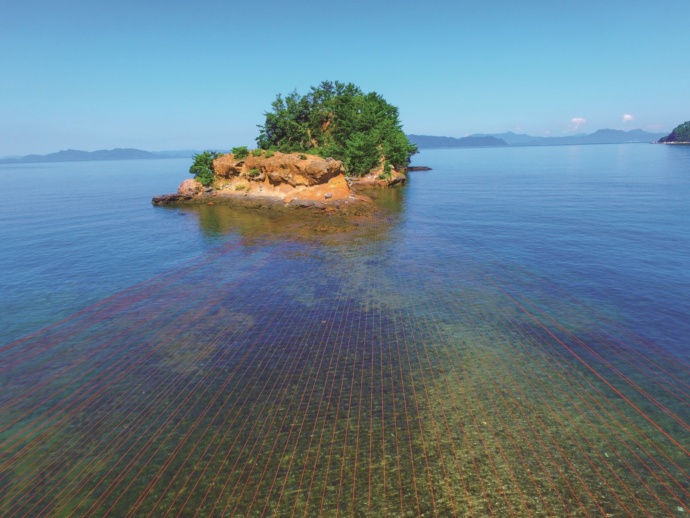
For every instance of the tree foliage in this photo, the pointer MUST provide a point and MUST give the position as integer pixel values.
(202, 168)
(339, 120)
(240, 152)
(681, 133)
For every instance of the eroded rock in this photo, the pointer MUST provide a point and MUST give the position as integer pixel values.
(292, 179)
(281, 168)
(190, 187)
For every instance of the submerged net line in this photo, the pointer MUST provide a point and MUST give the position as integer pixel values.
(555, 328)
(508, 375)
(682, 486)
(300, 380)
(164, 333)
(74, 363)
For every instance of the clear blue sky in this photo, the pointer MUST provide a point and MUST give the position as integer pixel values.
(159, 75)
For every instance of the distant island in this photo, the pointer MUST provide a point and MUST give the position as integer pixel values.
(680, 135)
(74, 155)
(604, 136)
(428, 141)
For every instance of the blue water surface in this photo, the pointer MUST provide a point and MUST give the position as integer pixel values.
(74, 233)
(508, 338)
(606, 225)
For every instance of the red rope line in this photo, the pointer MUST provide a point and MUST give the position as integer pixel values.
(432, 307)
(331, 369)
(591, 369)
(419, 420)
(366, 349)
(94, 397)
(209, 405)
(424, 347)
(321, 342)
(538, 342)
(201, 315)
(320, 354)
(532, 401)
(161, 396)
(281, 376)
(349, 410)
(337, 414)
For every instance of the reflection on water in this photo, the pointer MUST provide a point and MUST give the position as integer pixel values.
(283, 377)
(327, 226)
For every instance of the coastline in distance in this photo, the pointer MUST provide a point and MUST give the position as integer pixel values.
(74, 155)
(603, 136)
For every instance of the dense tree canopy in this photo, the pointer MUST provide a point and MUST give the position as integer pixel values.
(680, 134)
(338, 120)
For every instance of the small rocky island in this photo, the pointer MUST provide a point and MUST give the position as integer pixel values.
(317, 150)
(285, 178)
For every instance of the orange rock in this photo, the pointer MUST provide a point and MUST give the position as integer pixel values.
(284, 177)
(290, 168)
(190, 187)
(289, 178)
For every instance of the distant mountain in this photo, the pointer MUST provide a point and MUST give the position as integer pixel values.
(604, 136)
(510, 138)
(427, 141)
(177, 153)
(73, 155)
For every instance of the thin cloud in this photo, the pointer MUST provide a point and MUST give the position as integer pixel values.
(627, 117)
(576, 123)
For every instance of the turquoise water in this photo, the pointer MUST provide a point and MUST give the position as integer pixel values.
(509, 340)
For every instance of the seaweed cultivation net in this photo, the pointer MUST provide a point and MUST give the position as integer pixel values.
(306, 379)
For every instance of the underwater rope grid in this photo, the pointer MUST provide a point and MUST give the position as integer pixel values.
(164, 338)
(623, 428)
(294, 380)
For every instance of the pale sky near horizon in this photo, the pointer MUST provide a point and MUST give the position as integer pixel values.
(162, 75)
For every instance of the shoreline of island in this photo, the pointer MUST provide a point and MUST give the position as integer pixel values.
(292, 180)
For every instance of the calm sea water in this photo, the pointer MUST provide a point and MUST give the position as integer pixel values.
(511, 339)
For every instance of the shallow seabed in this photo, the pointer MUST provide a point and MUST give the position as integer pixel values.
(343, 375)
(289, 379)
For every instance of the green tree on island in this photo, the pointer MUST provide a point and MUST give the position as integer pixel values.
(680, 134)
(202, 168)
(338, 120)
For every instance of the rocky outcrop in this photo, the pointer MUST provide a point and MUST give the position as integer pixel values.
(189, 191)
(378, 179)
(190, 188)
(170, 199)
(296, 170)
(288, 178)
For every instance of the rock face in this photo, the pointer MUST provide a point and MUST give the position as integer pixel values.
(289, 178)
(292, 169)
(284, 178)
(377, 179)
(190, 187)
